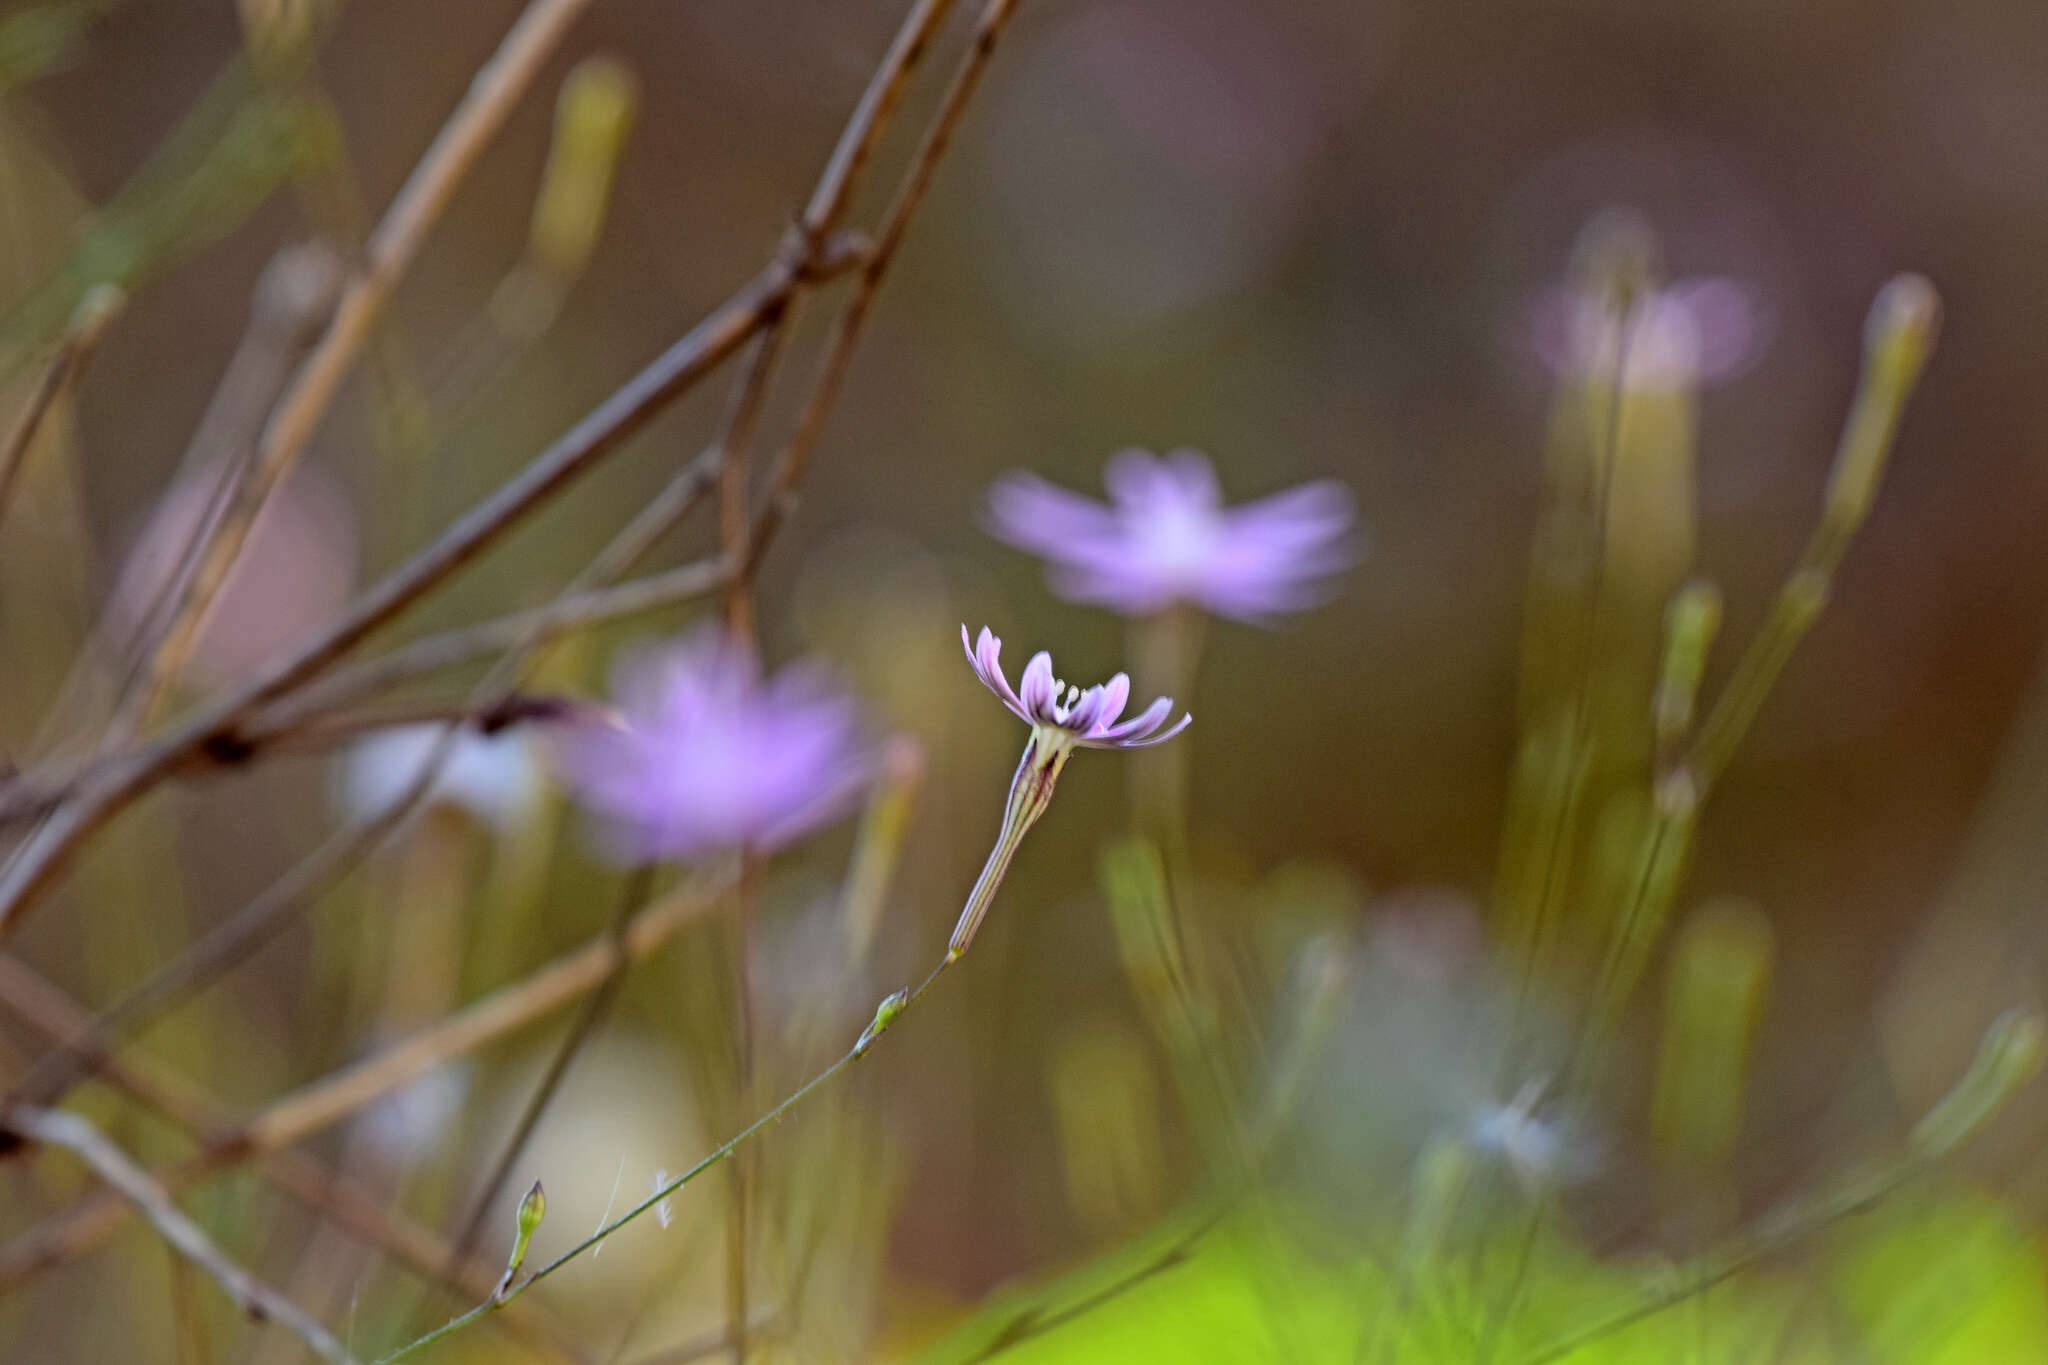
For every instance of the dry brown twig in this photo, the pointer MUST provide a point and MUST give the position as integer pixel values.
(333, 1195)
(39, 792)
(95, 312)
(55, 1128)
(349, 1090)
(809, 255)
(102, 795)
(796, 452)
(802, 260)
(289, 310)
(495, 90)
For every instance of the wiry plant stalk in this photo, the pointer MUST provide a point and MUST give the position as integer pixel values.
(257, 1299)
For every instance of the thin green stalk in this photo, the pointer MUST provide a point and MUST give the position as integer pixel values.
(632, 897)
(891, 1010)
(1897, 337)
(2009, 1057)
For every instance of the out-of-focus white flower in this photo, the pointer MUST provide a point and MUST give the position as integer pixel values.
(1542, 1153)
(496, 778)
(405, 1124)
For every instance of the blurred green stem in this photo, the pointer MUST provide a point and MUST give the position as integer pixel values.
(1165, 649)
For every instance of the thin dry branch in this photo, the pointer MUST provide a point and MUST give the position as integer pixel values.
(56, 1128)
(88, 324)
(289, 309)
(43, 857)
(495, 90)
(796, 454)
(432, 653)
(38, 792)
(313, 1107)
(334, 1196)
(601, 431)
(803, 259)
(316, 1106)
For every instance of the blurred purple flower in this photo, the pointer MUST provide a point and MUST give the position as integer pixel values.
(1062, 719)
(1165, 537)
(705, 755)
(1693, 332)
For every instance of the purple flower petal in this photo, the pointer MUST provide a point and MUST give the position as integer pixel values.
(1090, 720)
(1146, 741)
(1036, 688)
(1116, 694)
(1151, 718)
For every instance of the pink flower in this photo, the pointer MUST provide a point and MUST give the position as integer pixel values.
(706, 755)
(1072, 717)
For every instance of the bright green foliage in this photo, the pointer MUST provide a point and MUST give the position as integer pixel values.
(1949, 1282)
(1958, 1282)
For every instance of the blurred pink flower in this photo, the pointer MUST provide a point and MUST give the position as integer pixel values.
(705, 755)
(296, 569)
(1684, 335)
(1165, 537)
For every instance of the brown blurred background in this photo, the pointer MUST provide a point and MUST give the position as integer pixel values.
(1303, 237)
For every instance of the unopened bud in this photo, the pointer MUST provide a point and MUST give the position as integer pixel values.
(1690, 624)
(532, 1208)
(1897, 337)
(893, 1005)
(592, 117)
(1900, 329)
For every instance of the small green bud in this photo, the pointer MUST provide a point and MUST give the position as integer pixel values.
(1900, 330)
(1897, 337)
(532, 1209)
(1690, 624)
(592, 117)
(893, 1004)
(1438, 1181)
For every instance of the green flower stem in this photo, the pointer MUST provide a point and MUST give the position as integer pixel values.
(724, 1151)
(2009, 1057)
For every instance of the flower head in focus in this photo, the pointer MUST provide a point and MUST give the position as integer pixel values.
(1165, 538)
(706, 755)
(1680, 336)
(1070, 716)
(1062, 719)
